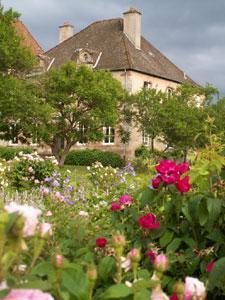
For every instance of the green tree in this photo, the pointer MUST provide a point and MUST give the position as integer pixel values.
(147, 106)
(16, 99)
(82, 101)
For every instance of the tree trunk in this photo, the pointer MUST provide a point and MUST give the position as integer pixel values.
(57, 147)
(152, 144)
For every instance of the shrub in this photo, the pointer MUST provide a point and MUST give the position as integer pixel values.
(88, 157)
(30, 170)
(9, 153)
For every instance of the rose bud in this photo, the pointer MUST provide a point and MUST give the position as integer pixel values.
(161, 263)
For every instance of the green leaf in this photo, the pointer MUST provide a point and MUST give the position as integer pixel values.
(106, 268)
(42, 269)
(142, 295)
(214, 208)
(202, 212)
(36, 284)
(174, 245)
(76, 282)
(117, 291)
(166, 238)
(217, 275)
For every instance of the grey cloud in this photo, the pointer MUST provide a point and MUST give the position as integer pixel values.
(189, 32)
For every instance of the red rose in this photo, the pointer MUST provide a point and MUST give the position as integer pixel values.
(149, 221)
(210, 266)
(183, 168)
(152, 255)
(115, 206)
(156, 182)
(166, 167)
(183, 185)
(101, 242)
(174, 297)
(171, 178)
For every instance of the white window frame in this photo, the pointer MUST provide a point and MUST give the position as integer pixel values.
(111, 135)
(145, 139)
(83, 130)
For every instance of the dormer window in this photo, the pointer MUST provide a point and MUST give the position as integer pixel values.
(147, 85)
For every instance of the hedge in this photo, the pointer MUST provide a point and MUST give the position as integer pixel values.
(9, 153)
(88, 157)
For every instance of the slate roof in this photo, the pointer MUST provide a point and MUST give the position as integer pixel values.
(117, 51)
(27, 38)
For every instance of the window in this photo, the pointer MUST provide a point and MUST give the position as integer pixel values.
(169, 91)
(14, 134)
(147, 84)
(109, 135)
(145, 139)
(82, 135)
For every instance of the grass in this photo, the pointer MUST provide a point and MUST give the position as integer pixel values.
(79, 174)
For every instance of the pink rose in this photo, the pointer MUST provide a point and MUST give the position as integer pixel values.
(125, 200)
(59, 260)
(115, 206)
(149, 221)
(26, 294)
(183, 185)
(194, 289)
(161, 263)
(170, 179)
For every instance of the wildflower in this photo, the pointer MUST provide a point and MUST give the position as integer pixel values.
(183, 185)
(36, 181)
(30, 215)
(49, 214)
(161, 263)
(194, 289)
(22, 268)
(101, 242)
(125, 199)
(210, 266)
(115, 206)
(149, 221)
(83, 213)
(55, 183)
(48, 179)
(30, 170)
(28, 294)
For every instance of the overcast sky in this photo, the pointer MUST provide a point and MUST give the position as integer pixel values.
(189, 32)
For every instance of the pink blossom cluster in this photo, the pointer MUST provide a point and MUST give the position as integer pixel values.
(125, 200)
(171, 173)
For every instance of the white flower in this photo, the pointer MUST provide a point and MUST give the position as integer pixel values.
(158, 294)
(103, 203)
(88, 168)
(126, 263)
(49, 213)
(68, 171)
(30, 215)
(83, 213)
(45, 229)
(194, 289)
(128, 283)
(3, 285)
(22, 268)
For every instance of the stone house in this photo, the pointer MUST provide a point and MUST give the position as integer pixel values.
(117, 45)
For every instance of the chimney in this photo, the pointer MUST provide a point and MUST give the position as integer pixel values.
(65, 32)
(132, 26)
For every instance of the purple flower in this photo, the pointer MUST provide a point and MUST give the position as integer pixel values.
(55, 183)
(48, 179)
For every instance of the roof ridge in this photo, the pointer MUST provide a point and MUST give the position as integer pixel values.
(99, 21)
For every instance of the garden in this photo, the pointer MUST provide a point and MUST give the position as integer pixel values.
(100, 232)
(89, 225)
